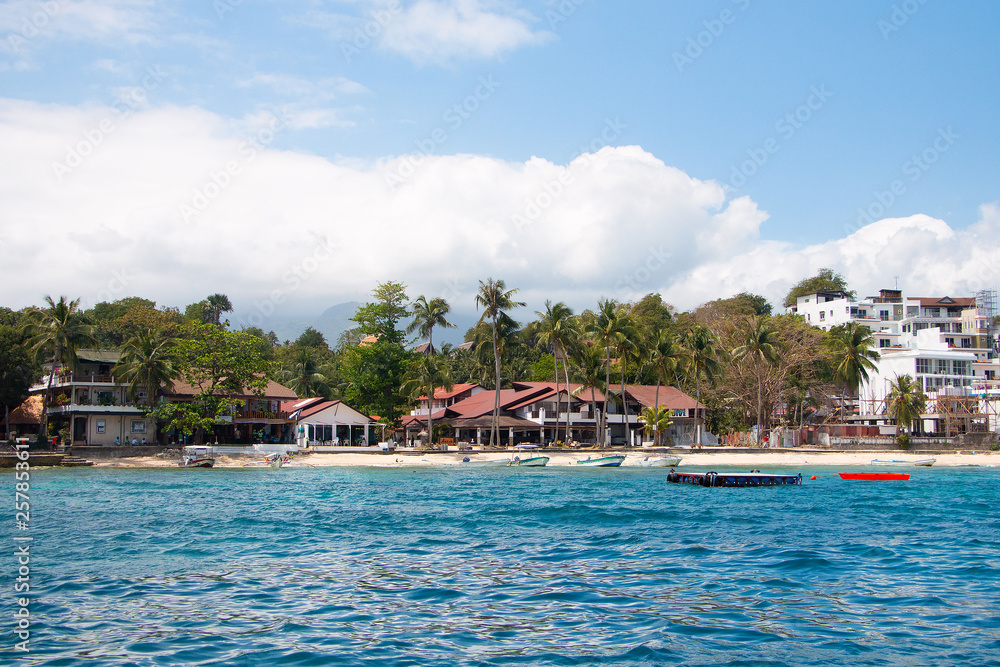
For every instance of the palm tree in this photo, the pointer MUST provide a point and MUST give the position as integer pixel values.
(610, 328)
(496, 299)
(854, 354)
(56, 333)
(426, 316)
(215, 305)
(590, 368)
(703, 358)
(666, 357)
(304, 375)
(760, 345)
(556, 327)
(657, 418)
(148, 361)
(426, 374)
(906, 402)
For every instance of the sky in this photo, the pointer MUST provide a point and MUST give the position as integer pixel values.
(292, 155)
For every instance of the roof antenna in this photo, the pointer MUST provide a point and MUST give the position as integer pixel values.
(897, 281)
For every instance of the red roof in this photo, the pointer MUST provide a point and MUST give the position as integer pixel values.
(670, 397)
(441, 394)
(947, 301)
(273, 390)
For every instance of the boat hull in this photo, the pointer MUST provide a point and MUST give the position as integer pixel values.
(666, 462)
(874, 476)
(533, 462)
(603, 462)
(198, 463)
(733, 479)
(926, 463)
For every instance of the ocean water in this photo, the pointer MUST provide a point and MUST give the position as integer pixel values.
(480, 566)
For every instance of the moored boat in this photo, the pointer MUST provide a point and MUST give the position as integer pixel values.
(874, 476)
(661, 462)
(612, 461)
(532, 462)
(197, 457)
(898, 462)
(276, 460)
(733, 479)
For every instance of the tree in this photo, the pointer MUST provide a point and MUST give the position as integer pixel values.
(426, 373)
(906, 402)
(56, 333)
(611, 328)
(589, 360)
(221, 365)
(854, 354)
(824, 280)
(374, 371)
(760, 346)
(666, 358)
(557, 327)
(302, 375)
(18, 371)
(380, 317)
(426, 316)
(148, 361)
(496, 299)
(656, 420)
(312, 338)
(703, 359)
(215, 305)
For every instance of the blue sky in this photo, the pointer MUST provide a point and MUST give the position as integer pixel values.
(785, 134)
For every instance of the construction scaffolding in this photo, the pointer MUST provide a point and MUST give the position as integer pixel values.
(952, 414)
(986, 301)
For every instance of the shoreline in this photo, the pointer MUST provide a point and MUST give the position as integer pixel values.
(689, 460)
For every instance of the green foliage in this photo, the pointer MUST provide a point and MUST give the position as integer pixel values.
(906, 401)
(543, 369)
(18, 369)
(220, 362)
(852, 347)
(903, 440)
(824, 280)
(189, 418)
(149, 361)
(656, 422)
(374, 373)
(381, 317)
(312, 338)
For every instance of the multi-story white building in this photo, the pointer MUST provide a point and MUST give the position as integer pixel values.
(944, 343)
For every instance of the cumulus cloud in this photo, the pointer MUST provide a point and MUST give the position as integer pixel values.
(174, 204)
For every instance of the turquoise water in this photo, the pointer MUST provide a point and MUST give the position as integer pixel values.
(480, 566)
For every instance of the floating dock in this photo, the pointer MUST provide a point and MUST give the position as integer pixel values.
(732, 478)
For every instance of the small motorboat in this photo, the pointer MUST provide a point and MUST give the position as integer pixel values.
(197, 457)
(276, 460)
(660, 462)
(874, 476)
(531, 461)
(612, 461)
(898, 462)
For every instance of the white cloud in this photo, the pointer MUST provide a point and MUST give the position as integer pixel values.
(259, 223)
(442, 30)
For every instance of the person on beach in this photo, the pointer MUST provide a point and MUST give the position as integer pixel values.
(118, 441)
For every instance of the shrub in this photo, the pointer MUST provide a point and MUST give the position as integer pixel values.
(903, 440)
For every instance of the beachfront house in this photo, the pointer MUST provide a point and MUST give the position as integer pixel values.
(261, 419)
(320, 423)
(93, 405)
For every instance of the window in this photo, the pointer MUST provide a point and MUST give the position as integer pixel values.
(962, 368)
(884, 342)
(101, 425)
(924, 366)
(822, 316)
(942, 367)
(966, 342)
(950, 341)
(138, 426)
(883, 315)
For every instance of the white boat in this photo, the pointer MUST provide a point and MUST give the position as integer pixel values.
(197, 457)
(926, 463)
(493, 463)
(531, 461)
(661, 462)
(612, 461)
(276, 460)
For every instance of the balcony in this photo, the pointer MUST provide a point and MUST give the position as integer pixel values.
(66, 379)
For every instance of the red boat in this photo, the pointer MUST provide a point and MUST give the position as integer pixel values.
(874, 476)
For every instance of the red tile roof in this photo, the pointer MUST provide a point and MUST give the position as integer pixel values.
(670, 397)
(441, 394)
(272, 391)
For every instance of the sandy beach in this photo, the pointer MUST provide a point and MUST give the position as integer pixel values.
(699, 459)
